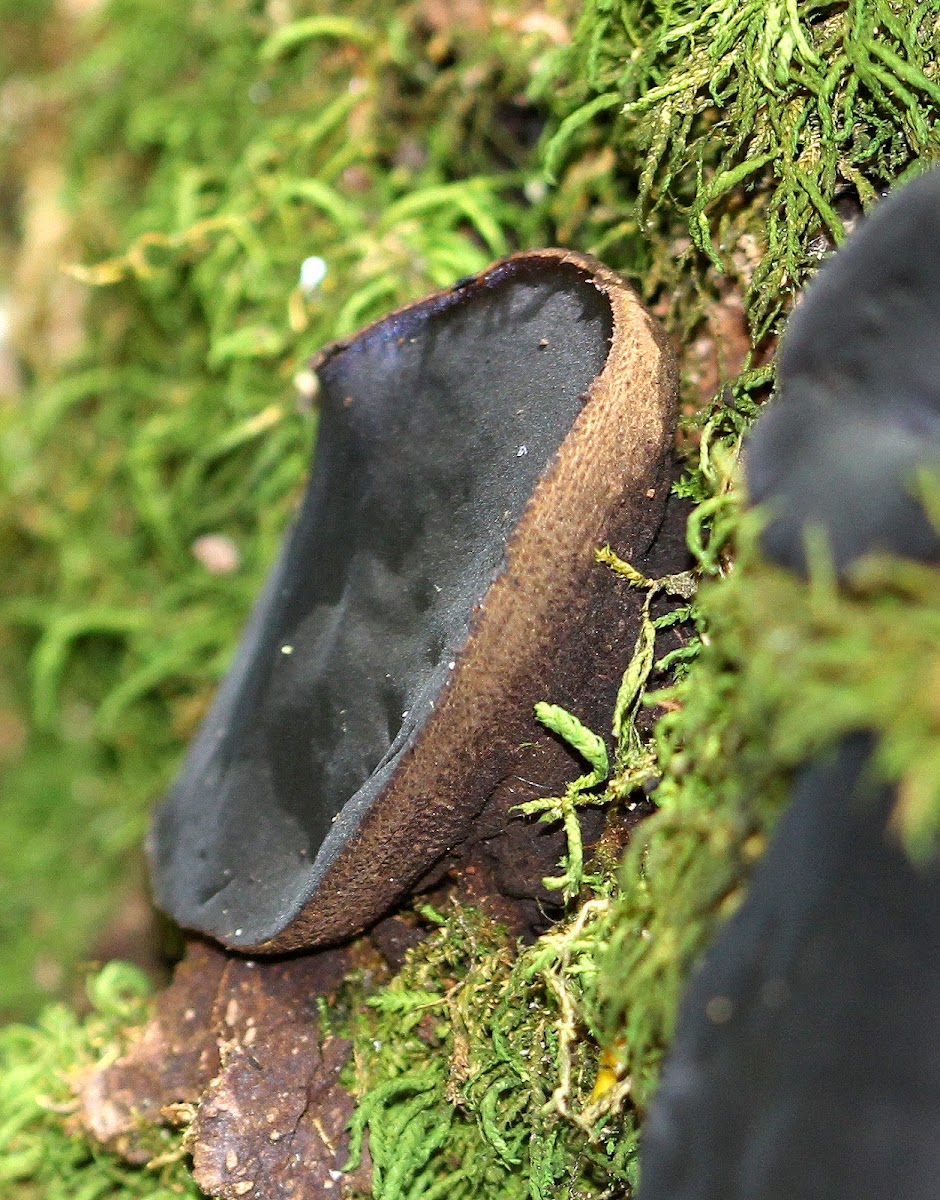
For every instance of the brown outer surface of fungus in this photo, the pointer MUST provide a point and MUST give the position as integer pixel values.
(530, 636)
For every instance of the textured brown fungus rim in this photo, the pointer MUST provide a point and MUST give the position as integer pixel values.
(609, 480)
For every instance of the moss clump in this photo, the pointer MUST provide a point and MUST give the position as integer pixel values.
(476, 1066)
(729, 128)
(787, 669)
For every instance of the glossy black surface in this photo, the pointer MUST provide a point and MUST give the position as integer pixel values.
(436, 425)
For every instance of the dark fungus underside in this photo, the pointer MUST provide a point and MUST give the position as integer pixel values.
(437, 423)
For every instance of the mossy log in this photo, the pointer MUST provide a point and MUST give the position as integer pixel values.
(711, 154)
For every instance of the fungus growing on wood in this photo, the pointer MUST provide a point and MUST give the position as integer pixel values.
(474, 449)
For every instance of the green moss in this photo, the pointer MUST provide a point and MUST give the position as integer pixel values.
(722, 130)
(476, 1067)
(69, 847)
(786, 670)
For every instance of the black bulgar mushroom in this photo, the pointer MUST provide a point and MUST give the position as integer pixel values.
(474, 449)
(858, 405)
(806, 1061)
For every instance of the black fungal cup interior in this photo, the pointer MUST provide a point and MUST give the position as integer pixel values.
(436, 424)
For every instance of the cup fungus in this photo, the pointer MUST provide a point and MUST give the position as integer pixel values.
(474, 449)
(805, 1061)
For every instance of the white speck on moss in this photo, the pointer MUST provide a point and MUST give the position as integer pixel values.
(312, 273)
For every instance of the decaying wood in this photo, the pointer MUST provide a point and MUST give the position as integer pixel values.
(235, 1053)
